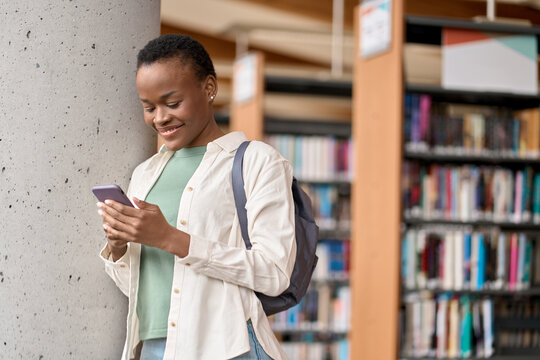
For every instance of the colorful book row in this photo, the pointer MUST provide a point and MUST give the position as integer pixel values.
(470, 129)
(332, 210)
(316, 350)
(448, 327)
(461, 259)
(334, 260)
(316, 158)
(470, 193)
(322, 309)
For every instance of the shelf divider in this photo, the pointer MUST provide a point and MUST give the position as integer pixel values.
(375, 240)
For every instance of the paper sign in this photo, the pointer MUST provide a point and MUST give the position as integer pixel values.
(376, 27)
(245, 78)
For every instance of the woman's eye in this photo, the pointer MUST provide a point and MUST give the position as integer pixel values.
(174, 105)
(149, 109)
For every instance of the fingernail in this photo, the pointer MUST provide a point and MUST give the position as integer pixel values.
(99, 204)
(100, 212)
(108, 202)
(105, 227)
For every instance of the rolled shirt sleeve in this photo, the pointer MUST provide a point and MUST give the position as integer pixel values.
(117, 270)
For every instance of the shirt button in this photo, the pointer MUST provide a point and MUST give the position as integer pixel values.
(183, 222)
(173, 324)
(176, 291)
(189, 188)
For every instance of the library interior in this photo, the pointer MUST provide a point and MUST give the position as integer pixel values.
(413, 126)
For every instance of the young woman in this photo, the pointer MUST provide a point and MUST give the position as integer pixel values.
(179, 256)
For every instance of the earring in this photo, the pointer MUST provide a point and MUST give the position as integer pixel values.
(212, 97)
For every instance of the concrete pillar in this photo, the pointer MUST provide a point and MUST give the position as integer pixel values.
(69, 119)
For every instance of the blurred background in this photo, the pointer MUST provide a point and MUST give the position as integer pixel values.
(414, 125)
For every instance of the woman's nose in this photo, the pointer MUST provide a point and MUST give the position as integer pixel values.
(161, 115)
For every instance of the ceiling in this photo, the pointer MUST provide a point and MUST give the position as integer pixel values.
(296, 35)
(289, 37)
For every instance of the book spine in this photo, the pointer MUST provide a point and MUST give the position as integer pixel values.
(453, 329)
(518, 196)
(513, 261)
(421, 278)
(411, 268)
(520, 261)
(481, 272)
(526, 280)
(474, 260)
(487, 312)
(448, 276)
(466, 329)
(467, 261)
(458, 260)
(536, 202)
(442, 314)
(501, 261)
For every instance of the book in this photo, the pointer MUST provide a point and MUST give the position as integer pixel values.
(442, 315)
(466, 345)
(481, 268)
(487, 313)
(471, 193)
(467, 260)
(501, 262)
(453, 328)
(513, 262)
(458, 260)
(469, 129)
(520, 262)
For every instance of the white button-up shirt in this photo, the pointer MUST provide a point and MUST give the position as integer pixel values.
(213, 287)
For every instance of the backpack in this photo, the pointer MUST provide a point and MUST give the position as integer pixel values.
(307, 234)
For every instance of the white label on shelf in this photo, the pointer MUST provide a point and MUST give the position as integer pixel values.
(376, 27)
(245, 78)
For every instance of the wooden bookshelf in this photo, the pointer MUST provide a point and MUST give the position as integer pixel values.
(378, 113)
(378, 90)
(301, 123)
(499, 293)
(376, 126)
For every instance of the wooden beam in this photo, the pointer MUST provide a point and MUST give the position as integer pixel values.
(320, 10)
(220, 48)
(376, 194)
(469, 9)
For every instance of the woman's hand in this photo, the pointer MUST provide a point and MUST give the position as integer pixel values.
(145, 225)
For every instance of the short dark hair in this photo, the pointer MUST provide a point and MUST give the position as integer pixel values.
(181, 47)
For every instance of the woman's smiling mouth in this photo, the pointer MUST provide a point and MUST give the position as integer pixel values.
(169, 130)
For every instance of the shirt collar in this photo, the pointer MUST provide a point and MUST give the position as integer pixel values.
(228, 142)
(163, 149)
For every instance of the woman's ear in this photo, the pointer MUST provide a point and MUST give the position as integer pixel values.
(211, 87)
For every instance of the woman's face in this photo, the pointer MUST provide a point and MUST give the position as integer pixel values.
(176, 104)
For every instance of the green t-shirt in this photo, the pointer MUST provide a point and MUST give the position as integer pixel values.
(157, 266)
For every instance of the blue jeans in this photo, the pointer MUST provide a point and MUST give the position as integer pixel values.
(154, 349)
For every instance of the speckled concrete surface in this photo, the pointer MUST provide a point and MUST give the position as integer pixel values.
(69, 119)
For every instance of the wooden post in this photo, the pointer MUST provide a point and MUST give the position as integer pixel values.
(247, 114)
(377, 139)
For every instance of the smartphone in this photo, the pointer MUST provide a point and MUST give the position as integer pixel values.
(111, 192)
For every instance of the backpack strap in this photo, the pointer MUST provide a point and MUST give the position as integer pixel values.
(239, 191)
